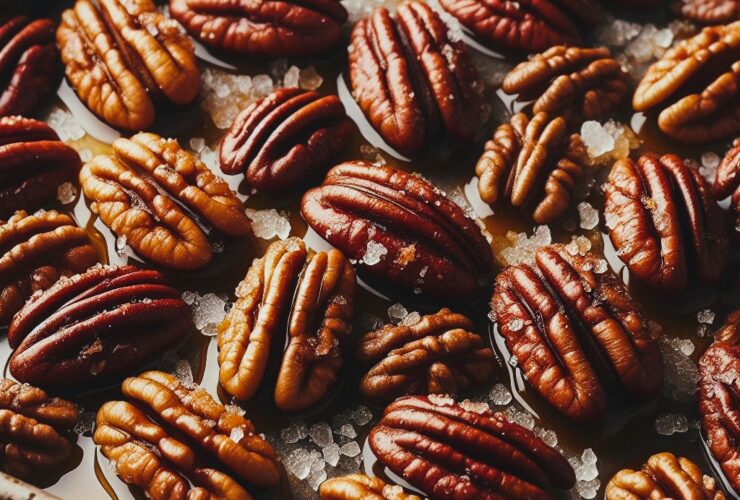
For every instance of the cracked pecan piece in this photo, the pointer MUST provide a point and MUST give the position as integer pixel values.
(572, 330)
(163, 199)
(727, 182)
(708, 11)
(174, 441)
(429, 244)
(694, 87)
(438, 354)
(94, 326)
(526, 157)
(446, 451)
(411, 81)
(124, 57)
(294, 301)
(665, 223)
(362, 487)
(286, 138)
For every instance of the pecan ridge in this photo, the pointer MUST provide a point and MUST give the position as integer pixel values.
(361, 487)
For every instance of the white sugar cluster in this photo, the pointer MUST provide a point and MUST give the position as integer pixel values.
(523, 248)
(705, 317)
(681, 373)
(616, 33)
(578, 245)
(587, 473)
(357, 9)
(66, 193)
(608, 142)
(667, 424)
(374, 252)
(650, 44)
(589, 215)
(208, 311)
(293, 76)
(65, 125)
(500, 395)
(709, 163)
(268, 224)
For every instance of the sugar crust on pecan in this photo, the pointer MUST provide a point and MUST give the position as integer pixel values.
(362, 487)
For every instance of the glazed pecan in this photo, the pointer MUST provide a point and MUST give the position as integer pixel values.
(94, 326)
(438, 354)
(33, 162)
(29, 63)
(307, 298)
(284, 139)
(552, 313)
(411, 81)
(447, 451)
(362, 487)
(163, 199)
(663, 476)
(35, 251)
(31, 424)
(525, 157)
(665, 223)
(173, 442)
(423, 240)
(727, 182)
(280, 28)
(695, 85)
(123, 57)
(709, 11)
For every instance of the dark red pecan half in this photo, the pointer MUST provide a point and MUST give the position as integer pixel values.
(709, 11)
(665, 223)
(362, 487)
(563, 321)
(448, 452)
(426, 241)
(279, 28)
(286, 138)
(95, 325)
(411, 81)
(727, 182)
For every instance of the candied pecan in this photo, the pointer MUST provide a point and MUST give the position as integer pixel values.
(709, 11)
(727, 182)
(446, 451)
(288, 292)
(163, 199)
(157, 442)
(527, 156)
(425, 241)
(410, 79)
(665, 223)
(123, 57)
(35, 251)
(362, 487)
(694, 87)
(95, 325)
(283, 139)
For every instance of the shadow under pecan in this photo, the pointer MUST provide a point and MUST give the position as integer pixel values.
(573, 330)
(124, 57)
(665, 223)
(534, 163)
(362, 487)
(163, 199)
(447, 451)
(95, 326)
(293, 301)
(708, 11)
(727, 182)
(285, 139)
(438, 354)
(174, 441)
(694, 86)
(411, 81)
(425, 241)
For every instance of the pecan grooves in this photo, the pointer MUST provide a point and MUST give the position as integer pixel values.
(708, 11)
(361, 487)
(727, 182)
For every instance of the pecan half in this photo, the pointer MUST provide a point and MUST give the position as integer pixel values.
(163, 199)
(695, 85)
(284, 139)
(123, 57)
(411, 81)
(665, 223)
(35, 251)
(709, 11)
(158, 442)
(280, 28)
(525, 157)
(438, 354)
(727, 182)
(446, 451)
(562, 320)
(424, 240)
(362, 487)
(94, 326)
(307, 298)
(663, 476)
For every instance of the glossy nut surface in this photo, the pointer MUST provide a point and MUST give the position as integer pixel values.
(708, 11)
(95, 325)
(123, 57)
(727, 181)
(445, 450)
(525, 157)
(174, 441)
(288, 297)
(362, 487)
(163, 199)
(286, 138)
(430, 244)
(545, 311)
(438, 354)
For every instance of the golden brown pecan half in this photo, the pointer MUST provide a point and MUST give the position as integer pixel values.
(362, 487)
(727, 182)
(293, 301)
(124, 57)
(174, 441)
(709, 11)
